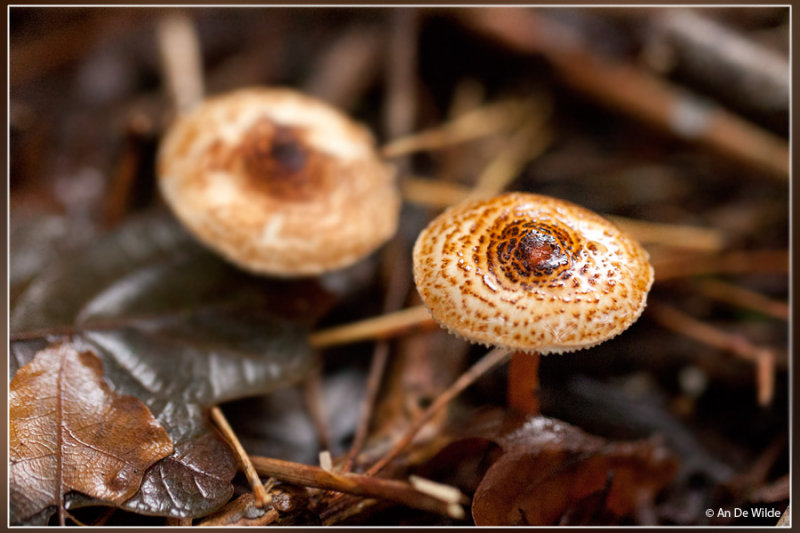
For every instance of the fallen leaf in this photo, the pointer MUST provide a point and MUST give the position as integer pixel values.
(550, 469)
(198, 470)
(151, 269)
(36, 237)
(69, 431)
(180, 329)
(56, 296)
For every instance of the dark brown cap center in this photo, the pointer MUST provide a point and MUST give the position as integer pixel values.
(289, 155)
(541, 252)
(278, 160)
(529, 253)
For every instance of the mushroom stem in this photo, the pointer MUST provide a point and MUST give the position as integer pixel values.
(379, 327)
(523, 383)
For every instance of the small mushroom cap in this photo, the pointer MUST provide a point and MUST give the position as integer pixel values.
(530, 273)
(278, 182)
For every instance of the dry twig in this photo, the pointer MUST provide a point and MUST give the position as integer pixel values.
(380, 357)
(398, 284)
(345, 69)
(524, 145)
(262, 497)
(484, 365)
(123, 178)
(631, 90)
(179, 46)
(753, 74)
(379, 327)
(733, 294)
(312, 397)
(736, 262)
(360, 485)
(763, 358)
(474, 124)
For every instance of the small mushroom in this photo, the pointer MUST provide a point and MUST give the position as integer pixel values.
(278, 182)
(530, 273)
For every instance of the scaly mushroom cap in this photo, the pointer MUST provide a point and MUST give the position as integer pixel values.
(278, 182)
(530, 273)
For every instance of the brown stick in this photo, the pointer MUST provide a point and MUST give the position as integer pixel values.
(631, 90)
(396, 268)
(433, 193)
(477, 123)
(400, 109)
(181, 61)
(524, 145)
(379, 359)
(262, 497)
(346, 67)
(733, 294)
(758, 472)
(750, 73)
(737, 262)
(360, 485)
(123, 178)
(486, 363)
(312, 397)
(676, 235)
(379, 327)
(763, 358)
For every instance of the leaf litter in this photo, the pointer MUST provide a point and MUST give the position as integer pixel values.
(182, 331)
(539, 471)
(69, 431)
(550, 469)
(633, 172)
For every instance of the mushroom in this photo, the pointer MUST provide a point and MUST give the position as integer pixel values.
(530, 273)
(278, 182)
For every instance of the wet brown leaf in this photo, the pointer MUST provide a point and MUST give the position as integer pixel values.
(147, 300)
(69, 431)
(551, 472)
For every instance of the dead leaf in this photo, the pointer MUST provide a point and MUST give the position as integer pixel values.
(550, 469)
(196, 479)
(151, 269)
(180, 329)
(57, 294)
(36, 237)
(69, 431)
(190, 482)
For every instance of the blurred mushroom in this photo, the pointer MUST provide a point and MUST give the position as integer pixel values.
(530, 273)
(278, 182)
